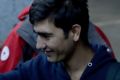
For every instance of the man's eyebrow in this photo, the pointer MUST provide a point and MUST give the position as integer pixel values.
(43, 33)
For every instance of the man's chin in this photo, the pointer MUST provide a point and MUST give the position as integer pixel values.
(53, 59)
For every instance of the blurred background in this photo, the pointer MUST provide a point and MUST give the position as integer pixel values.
(104, 13)
(9, 9)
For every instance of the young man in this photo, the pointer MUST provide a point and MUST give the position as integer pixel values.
(24, 40)
(70, 48)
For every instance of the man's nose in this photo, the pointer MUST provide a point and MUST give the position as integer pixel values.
(40, 43)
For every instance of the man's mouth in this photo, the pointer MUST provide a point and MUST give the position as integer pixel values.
(49, 51)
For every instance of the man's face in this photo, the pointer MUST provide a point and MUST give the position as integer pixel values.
(53, 41)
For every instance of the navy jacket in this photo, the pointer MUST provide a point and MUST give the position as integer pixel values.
(40, 69)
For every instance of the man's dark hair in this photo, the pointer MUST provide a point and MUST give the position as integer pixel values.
(63, 13)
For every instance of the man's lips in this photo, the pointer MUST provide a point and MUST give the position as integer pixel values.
(49, 52)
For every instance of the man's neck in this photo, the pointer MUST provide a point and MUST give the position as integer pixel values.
(79, 60)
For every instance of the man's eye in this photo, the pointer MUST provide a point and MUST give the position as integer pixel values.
(45, 36)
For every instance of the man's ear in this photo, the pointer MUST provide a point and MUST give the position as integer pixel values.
(76, 29)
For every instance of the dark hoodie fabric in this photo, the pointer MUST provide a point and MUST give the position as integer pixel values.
(39, 68)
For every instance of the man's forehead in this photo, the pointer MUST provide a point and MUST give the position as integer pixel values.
(44, 22)
(44, 29)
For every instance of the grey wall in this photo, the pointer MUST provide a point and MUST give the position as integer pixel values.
(9, 10)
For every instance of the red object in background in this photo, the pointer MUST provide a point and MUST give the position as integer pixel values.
(14, 44)
(23, 13)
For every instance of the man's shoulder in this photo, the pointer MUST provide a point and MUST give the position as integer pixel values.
(38, 62)
(35, 67)
(114, 71)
